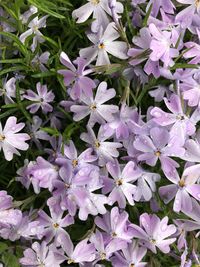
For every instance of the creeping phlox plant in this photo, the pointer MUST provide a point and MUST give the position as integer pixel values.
(99, 133)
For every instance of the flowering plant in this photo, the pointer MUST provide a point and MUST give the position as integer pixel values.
(99, 133)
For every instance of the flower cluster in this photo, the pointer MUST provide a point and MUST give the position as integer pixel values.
(109, 170)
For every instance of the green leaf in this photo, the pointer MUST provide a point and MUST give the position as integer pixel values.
(147, 15)
(13, 69)
(16, 40)
(51, 41)
(20, 105)
(10, 260)
(8, 113)
(44, 74)
(51, 131)
(3, 247)
(184, 66)
(43, 5)
(12, 61)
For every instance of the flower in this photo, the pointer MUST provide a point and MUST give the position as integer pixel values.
(104, 43)
(83, 252)
(159, 146)
(53, 226)
(98, 8)
(154, 232)
(40, 61)
(77, 77)
(95, 107)
(130, 256)
(162, 46)
(34, 26)
(42, 99)
(11, 140)
(182, 189)
(121, 187)
(41, 255)
(186, 16)
(9, 90)
(181, 124)
(104, 150)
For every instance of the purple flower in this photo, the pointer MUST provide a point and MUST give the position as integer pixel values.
(36, 133)
(77, 77)
(34, 26)
(130, 256)
(99, 9)
(181, 124)
(146, 186)
(103, 44)
(40, 61)
(182, 189)
(193, 52)
(54, 225)
(121, 187)
(95, 107)
(154, 232)
(74, 160)
(11, 140)
(83, 252)
(26, 178)
(117, 226)
(186, 16)
(162, 46)
(159, 146)
(9, 90)
(105, 249)
(43, 173)
(5, 200)
(41, 99)
(120, 125)
(41, 255)
(104, 150)
(159, 5)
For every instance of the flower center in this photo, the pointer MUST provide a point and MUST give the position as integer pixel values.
(95, 2)
(153, 241)
(114, 234)
(93, 107)
(56, 225)
(197, 3)
(97, 144)
(103, 256)
(2, 137)
(67, 186)
(119, 182)
(74, 162)
(35, 28)
(132, 265)
(101, 45)
(157, 153)
(180, 117)
(70, 261)
(181, 183)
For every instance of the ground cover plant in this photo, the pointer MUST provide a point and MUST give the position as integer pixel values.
(99, 133)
